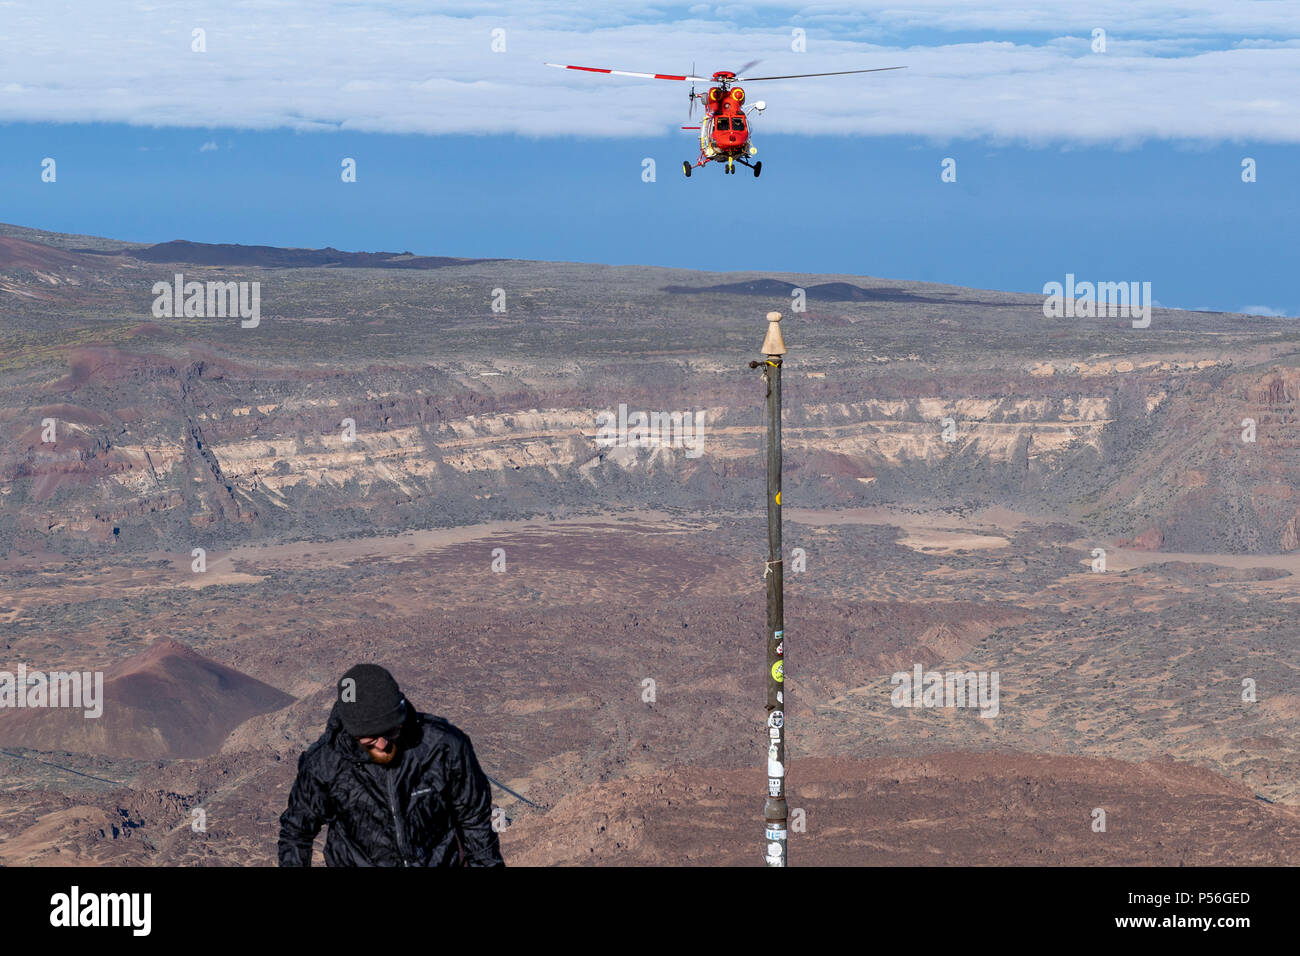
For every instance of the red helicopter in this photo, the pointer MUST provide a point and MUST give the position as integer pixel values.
(725, 131)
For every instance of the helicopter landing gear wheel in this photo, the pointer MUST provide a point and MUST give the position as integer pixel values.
(686, 168)
(758, 168)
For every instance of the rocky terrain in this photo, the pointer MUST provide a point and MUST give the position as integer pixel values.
(386, 468)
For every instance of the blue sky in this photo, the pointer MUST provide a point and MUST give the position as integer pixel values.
(1122, 164)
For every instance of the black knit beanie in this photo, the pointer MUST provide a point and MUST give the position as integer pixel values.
(369, 701)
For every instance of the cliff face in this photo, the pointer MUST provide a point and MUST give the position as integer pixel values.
(363, 403)
(154, 447)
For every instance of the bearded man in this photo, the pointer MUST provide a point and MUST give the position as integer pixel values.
(395, 787)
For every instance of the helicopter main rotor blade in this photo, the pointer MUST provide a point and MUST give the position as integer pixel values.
(648, 76)
(750, 65)
(799, 76)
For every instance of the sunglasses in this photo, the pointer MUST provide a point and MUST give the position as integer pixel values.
(386, 735)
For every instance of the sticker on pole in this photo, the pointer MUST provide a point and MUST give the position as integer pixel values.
(775, 768)
(776, 718)
(774, 786)
(774, 834)
(778, 672)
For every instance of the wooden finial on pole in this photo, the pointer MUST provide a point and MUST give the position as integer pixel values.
(773, 344)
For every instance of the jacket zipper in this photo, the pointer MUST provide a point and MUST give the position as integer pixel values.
(398, 825)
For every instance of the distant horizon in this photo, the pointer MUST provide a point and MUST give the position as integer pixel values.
(127, 243)
(1182, 219)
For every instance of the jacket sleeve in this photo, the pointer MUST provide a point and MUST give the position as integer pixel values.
(303, 818)
(470, 796)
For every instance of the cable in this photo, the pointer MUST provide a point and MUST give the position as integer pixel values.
(497, 783)
(116, 783)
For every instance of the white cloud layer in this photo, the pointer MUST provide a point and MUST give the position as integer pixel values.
(1208, 70)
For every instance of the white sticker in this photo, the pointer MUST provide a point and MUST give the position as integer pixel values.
(775, 768)
(776, 718)
(774, 786)
(775, 834)
(774, 733)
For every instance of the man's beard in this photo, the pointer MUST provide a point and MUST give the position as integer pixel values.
(380, 757)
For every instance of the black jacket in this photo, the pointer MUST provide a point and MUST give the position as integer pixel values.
(430, 807)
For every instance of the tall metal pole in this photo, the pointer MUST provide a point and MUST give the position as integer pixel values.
(775, 814)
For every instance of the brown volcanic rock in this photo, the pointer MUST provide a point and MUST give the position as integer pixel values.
(19, 254)
(166, 702)
(941, 810)
(1290, 537)
(1149, 540)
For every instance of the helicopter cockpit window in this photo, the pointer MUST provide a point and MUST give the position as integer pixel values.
(738, 123)
(723, 123)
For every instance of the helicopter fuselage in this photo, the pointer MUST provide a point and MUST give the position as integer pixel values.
(725, 131)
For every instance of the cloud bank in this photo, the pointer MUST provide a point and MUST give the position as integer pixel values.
(1206, 70)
